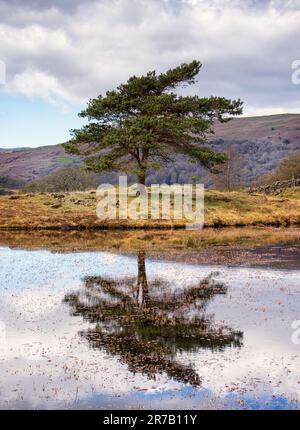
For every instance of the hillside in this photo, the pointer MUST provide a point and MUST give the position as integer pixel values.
(260, 143)
(28, 164)
(262, 128)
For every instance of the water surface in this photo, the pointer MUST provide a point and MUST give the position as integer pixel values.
(102, 330)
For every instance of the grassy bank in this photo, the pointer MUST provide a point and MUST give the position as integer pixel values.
(238, 246)
(151, 241)
(77, 210)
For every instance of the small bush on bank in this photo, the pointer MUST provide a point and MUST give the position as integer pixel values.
(65, 179)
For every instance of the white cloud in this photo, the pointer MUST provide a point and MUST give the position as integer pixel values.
(62, 54)
(34, 83)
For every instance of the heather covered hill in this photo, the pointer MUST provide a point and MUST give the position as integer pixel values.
(259, 143)
(29, 164)
(261, 128)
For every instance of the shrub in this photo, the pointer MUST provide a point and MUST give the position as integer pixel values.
(65, 179)
(288, 168)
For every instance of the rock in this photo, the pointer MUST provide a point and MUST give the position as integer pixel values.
(275, 188)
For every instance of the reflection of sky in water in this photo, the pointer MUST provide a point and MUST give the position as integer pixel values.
(44, 363)
(202, 399)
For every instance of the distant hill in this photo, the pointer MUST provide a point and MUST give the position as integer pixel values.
(260, 142)
(31, 163)
(22, 148)
(262, 128)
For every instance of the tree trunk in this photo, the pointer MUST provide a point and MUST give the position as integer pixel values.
(142, 284)
(143, 160)
(142, 177)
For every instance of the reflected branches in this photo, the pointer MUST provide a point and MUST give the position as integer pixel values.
(147, 324)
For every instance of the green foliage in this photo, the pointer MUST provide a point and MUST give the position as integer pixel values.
(65, 161)
(143, 124)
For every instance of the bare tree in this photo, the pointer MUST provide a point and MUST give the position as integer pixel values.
(287, 169)
(227, 175)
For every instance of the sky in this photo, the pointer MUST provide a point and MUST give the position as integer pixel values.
(59, 53)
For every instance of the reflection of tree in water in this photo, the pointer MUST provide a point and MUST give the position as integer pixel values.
(147, 323)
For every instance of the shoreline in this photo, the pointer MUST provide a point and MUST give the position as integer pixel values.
(105, 227)
(256, 246)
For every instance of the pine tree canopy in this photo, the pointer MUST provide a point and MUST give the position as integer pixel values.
(144, 123)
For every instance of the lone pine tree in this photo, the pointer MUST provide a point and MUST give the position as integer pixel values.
(144, 123)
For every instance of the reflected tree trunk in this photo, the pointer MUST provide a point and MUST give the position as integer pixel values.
(146, 330)
(142, 290)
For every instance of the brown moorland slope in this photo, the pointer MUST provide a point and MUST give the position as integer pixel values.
(260, 141)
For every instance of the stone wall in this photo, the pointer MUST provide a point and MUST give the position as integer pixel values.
(275, 188)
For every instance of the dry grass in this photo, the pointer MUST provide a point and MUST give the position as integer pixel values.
(240, 246)
(151, 241)
(76, 210)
